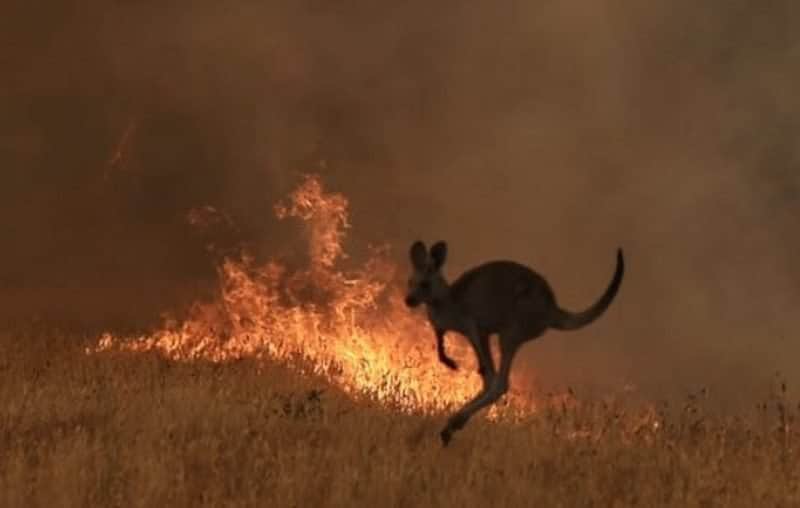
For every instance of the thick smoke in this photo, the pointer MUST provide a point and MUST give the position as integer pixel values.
(550, 133)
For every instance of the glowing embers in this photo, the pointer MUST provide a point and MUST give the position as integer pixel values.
(349, 326)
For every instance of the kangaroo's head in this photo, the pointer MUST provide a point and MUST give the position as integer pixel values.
(427, 284)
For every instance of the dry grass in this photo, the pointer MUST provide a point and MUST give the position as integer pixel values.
(140, 431)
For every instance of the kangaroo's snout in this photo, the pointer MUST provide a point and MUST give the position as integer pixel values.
(412, 301)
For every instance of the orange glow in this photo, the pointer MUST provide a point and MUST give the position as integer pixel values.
(349, 326)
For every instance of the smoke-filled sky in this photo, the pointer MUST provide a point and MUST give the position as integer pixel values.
(546, 132)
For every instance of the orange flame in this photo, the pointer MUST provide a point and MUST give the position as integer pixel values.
(351, 327)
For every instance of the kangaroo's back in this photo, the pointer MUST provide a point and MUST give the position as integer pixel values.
(498, 294)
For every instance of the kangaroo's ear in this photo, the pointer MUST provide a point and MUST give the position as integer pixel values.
(418, 255)
(439, 254)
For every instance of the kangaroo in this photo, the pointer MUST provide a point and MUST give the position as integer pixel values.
(501, 297)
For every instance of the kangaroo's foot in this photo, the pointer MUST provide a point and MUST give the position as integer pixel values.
(455, 423)
(446, 434)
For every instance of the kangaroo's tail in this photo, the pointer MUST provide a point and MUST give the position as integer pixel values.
(565, 320)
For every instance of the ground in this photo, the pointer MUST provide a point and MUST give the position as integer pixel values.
(138, 430)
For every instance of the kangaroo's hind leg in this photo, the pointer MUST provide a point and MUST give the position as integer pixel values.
(509, 344)
(486, 370)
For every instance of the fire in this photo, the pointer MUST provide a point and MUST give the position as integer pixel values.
(349, 326)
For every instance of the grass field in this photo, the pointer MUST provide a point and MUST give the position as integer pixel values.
(138, 430)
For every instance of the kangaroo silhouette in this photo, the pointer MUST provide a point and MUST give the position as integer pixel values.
(498, 297)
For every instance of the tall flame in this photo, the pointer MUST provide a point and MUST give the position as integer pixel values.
(349, 326)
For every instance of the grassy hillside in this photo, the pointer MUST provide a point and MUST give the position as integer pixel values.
(137, 430)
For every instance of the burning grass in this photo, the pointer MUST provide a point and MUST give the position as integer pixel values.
(349, 326)
(137, 429)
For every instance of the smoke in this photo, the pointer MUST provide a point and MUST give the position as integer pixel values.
(549, 133)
